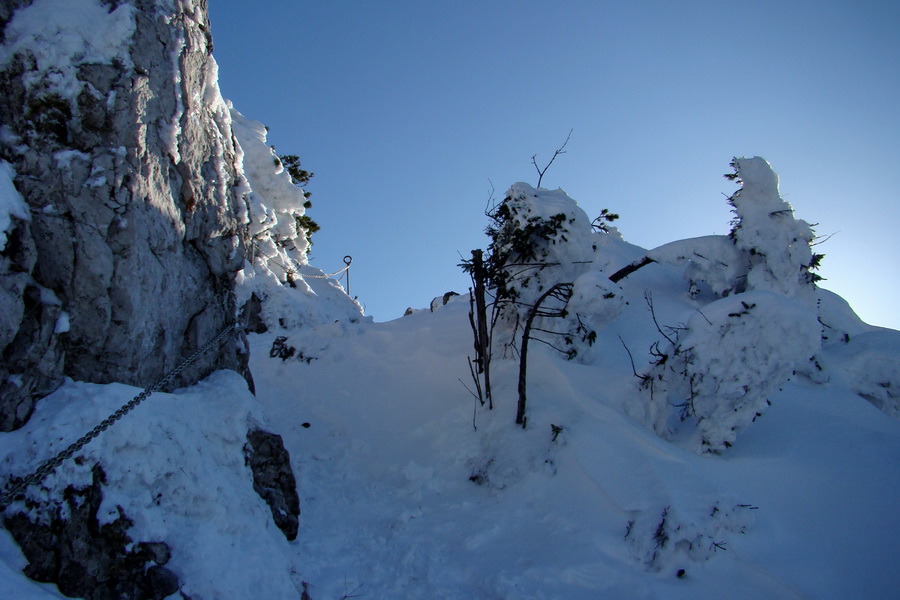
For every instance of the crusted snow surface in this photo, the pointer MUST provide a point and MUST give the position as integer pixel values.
(868, 364)
(412, 489)
(312, 299)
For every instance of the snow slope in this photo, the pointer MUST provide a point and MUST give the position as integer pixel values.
(390, 510)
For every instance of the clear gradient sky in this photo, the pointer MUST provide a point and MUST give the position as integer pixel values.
(409, 111)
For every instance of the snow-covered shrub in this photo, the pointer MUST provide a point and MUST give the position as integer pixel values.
(719, 371)
(663, 540)
(542, 275)
(538, 237)
(541, 238)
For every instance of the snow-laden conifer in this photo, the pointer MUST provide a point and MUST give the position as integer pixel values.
(719, 371)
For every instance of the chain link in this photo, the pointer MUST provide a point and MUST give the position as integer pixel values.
(324, 276)
(296, 268)
(50, 465)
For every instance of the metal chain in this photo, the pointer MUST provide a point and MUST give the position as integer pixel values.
(296, 268)
(50, 465)
(324, 276)
(347, 260)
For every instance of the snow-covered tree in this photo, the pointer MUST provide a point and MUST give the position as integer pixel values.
(767, 249)
(541, 271)
(719, 370)
(539, 239)
(717, 374)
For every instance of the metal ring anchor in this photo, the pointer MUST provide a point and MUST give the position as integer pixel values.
(347, 260)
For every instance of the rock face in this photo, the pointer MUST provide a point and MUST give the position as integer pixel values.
(126, 159)
(86, 559)
(273, 478)
(125, 213)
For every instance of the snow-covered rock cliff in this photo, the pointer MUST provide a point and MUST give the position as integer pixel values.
(121, 146)
(135, 229)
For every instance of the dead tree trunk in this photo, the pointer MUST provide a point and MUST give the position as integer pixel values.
(629, 269)
(484, 335)
(480, 330)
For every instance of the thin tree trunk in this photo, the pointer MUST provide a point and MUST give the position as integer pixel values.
(484, 339)
(523, 352)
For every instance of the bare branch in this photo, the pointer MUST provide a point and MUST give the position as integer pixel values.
(491, 204)
(560, 150)
(557, 348)
(704, 316)
(649, 300)
(821, 240)
(459, 379)
(630, 357)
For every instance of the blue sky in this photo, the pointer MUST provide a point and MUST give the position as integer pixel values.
(409, 112)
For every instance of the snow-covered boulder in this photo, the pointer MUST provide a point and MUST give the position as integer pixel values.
(167, 500)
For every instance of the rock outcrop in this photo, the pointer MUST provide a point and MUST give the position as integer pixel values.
(69, 546)
(273, 478)
(124, 153)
